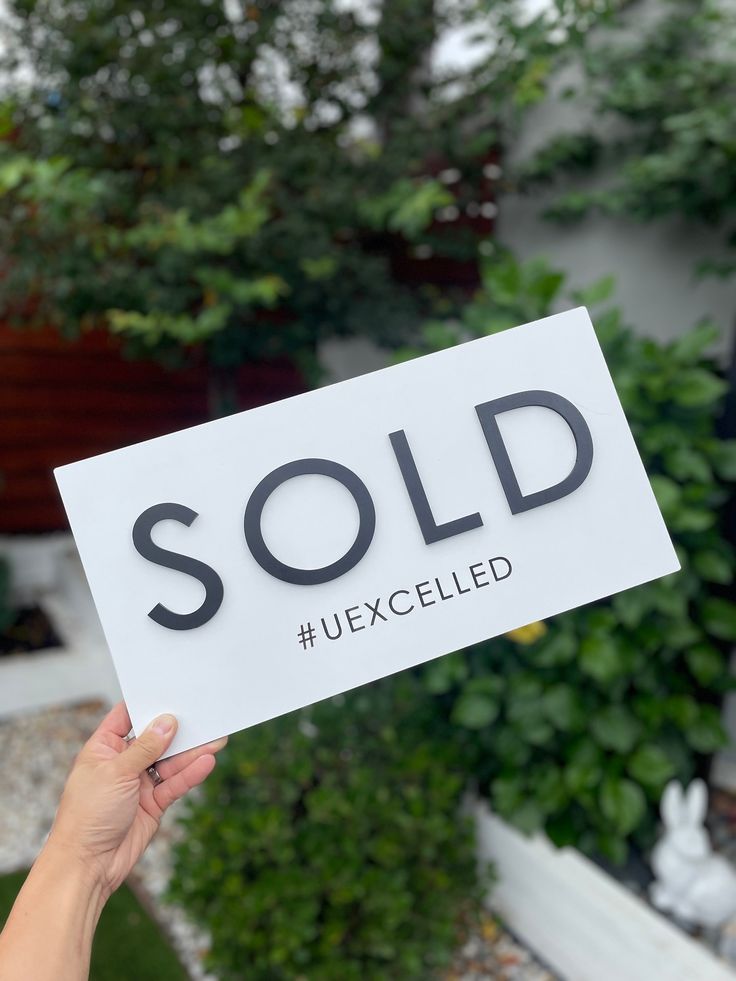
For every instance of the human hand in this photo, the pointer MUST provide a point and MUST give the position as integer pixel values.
(110, 808)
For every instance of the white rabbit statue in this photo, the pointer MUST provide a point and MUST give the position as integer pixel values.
(690, 881)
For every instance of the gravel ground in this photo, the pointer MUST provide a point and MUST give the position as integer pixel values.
(36, 752)
(491, 953)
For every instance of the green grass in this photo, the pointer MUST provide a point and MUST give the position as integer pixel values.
(128, 944)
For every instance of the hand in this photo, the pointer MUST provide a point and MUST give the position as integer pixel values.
(110, 809)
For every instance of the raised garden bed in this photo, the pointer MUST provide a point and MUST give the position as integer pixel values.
(54, 653)
(30, 631)
(581, 921)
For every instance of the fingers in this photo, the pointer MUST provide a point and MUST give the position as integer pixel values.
(150, 746)
(191, 776)
(107, 739)
(117, 721)
(175, 764)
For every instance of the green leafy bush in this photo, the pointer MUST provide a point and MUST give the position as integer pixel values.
(327, 844)
(577, 724)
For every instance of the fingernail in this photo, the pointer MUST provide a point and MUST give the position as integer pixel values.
(163, 724)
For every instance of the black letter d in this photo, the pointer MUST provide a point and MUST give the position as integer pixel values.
(518, 502)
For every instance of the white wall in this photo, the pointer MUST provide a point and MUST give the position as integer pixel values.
(653, 262)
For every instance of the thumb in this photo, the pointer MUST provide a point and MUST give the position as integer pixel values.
(149, 746)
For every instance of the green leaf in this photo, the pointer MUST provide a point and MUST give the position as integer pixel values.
(486, 684)
(682, 709)
(407, 206)
(475, 711)
(600, 658)
(590, 296)
(563, 707)
(157, 324)
(437, 335)
(713, 566)
(550, 791)
(562, 831)
(685, 463)
(698, 387)
(692, 519)
(723, 456)
(530, 85)
(527, 817)
(584, 768)
(265, 290)
(719, 618)
(632, 605)
(706, 663)
(507, 794)
(651, 766)
(695, 343)
(537, 732)
(509, 750)
(444, 673)
(668, 494)
(707, 734)
(320, 268)
(615, 728)
(613, 847)
(669, 597)
(681, 634)
(512, 801)
(623, 803)
(556, 648)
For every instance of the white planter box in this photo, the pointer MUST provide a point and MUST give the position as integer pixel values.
(579, 920)
(46, 570)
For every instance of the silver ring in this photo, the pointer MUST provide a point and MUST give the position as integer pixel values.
(154, 775)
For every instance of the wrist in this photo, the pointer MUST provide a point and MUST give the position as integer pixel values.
(82, 874)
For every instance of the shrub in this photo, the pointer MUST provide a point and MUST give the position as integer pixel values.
(327, 844)
(579, 723)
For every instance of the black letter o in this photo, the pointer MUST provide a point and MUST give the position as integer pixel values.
(297, 468)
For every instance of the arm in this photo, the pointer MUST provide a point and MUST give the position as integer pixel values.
(109, 811)
(50, 929)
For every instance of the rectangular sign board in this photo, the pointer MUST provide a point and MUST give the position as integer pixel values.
(261, 562)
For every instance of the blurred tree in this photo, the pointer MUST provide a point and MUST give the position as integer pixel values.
(253, 177)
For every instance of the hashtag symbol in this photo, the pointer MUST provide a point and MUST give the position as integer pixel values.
(306, 635)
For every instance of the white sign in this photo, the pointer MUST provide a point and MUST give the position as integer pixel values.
(261, 562)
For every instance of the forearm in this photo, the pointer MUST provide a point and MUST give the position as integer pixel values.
(48, 935)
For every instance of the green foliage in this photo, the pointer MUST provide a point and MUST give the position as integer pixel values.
(407, 206)
(662, 97)
(241, 177)
(577, 727)
(328, 844)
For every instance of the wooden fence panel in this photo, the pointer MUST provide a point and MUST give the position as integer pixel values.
(64, 400)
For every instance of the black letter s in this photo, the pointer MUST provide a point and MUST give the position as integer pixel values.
(214, 590)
